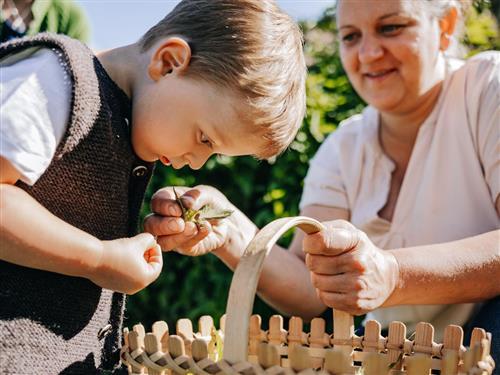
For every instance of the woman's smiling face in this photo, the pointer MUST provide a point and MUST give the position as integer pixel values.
(390, 50)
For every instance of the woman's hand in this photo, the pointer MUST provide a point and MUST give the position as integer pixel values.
(128, 265)
(348, 271)
(173, 233)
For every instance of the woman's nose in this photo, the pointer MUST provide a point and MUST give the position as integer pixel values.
(370, 49)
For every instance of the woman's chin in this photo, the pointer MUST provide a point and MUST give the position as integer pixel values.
(385, 104)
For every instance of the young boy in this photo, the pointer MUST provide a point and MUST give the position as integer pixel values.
(79, 137)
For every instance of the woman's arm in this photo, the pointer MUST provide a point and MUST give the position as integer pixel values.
(353, 275)
(466, 270)
(461, 271)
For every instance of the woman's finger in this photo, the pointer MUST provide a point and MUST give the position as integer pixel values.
(331, 241)
(159, 225)
(342, 283)
(324, 264)
(163, 203)
(174, 241)
(351, 261)
(203, 231)
(344, 302)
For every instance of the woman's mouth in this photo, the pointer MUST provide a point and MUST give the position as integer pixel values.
(379, 75)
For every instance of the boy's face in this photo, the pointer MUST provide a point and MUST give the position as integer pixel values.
(183, 121)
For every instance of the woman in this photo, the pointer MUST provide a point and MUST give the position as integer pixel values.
(416, 174)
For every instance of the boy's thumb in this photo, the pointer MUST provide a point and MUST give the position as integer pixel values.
(145, 241)
(151, 251)
(154, 258)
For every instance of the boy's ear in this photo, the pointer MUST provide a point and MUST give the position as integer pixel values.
(447, 26)
(172, 55)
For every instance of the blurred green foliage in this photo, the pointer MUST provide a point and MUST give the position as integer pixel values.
(191, 287)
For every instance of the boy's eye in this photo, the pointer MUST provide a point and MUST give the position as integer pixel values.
(205, 140)
(391, 29)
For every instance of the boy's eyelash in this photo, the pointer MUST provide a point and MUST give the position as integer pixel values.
(204, 139)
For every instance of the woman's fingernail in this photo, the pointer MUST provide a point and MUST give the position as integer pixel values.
(191, 228)
(173, 225)
(187, 201)
(173, 210)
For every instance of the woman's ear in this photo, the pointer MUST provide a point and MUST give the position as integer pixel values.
(172, 55)
(447, 26)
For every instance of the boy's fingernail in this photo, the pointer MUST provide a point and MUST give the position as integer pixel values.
(173, 225)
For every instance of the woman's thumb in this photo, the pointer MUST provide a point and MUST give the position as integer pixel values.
(338, 237)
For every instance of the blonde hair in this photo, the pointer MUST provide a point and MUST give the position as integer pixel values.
(252, 47)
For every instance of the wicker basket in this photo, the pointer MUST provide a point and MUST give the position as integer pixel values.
(248, 350)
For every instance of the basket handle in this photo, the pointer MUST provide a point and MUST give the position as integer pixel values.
(244, 286)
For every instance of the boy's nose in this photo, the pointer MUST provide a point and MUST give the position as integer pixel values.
(199, 159)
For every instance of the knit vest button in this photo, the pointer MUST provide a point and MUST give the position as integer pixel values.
(104, 331)
(139, 171)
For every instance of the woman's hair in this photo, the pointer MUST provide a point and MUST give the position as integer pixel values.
(439, 8)
(251, 47)
(442, 6)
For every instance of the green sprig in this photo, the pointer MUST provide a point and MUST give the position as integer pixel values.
(205, 213)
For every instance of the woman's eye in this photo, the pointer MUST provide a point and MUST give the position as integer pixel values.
(349, 38)
(391, 29)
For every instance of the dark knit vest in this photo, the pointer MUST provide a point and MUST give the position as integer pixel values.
(51, 323)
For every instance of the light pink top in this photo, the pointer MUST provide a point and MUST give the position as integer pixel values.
(450, 186)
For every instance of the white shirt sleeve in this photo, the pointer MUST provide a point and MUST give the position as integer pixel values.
(483, 98)
(323, 184)
(34, 111)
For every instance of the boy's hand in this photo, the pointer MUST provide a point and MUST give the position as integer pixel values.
(128, 265)
(187, 238)
(348, 271)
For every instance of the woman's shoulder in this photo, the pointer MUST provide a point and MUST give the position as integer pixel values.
(488, 57)
(485, 65)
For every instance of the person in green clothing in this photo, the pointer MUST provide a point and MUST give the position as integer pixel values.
(28, 17)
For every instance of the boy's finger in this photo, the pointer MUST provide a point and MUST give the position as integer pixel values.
(155, 261)
(163, 226)
(145, 240)
(331, 241)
